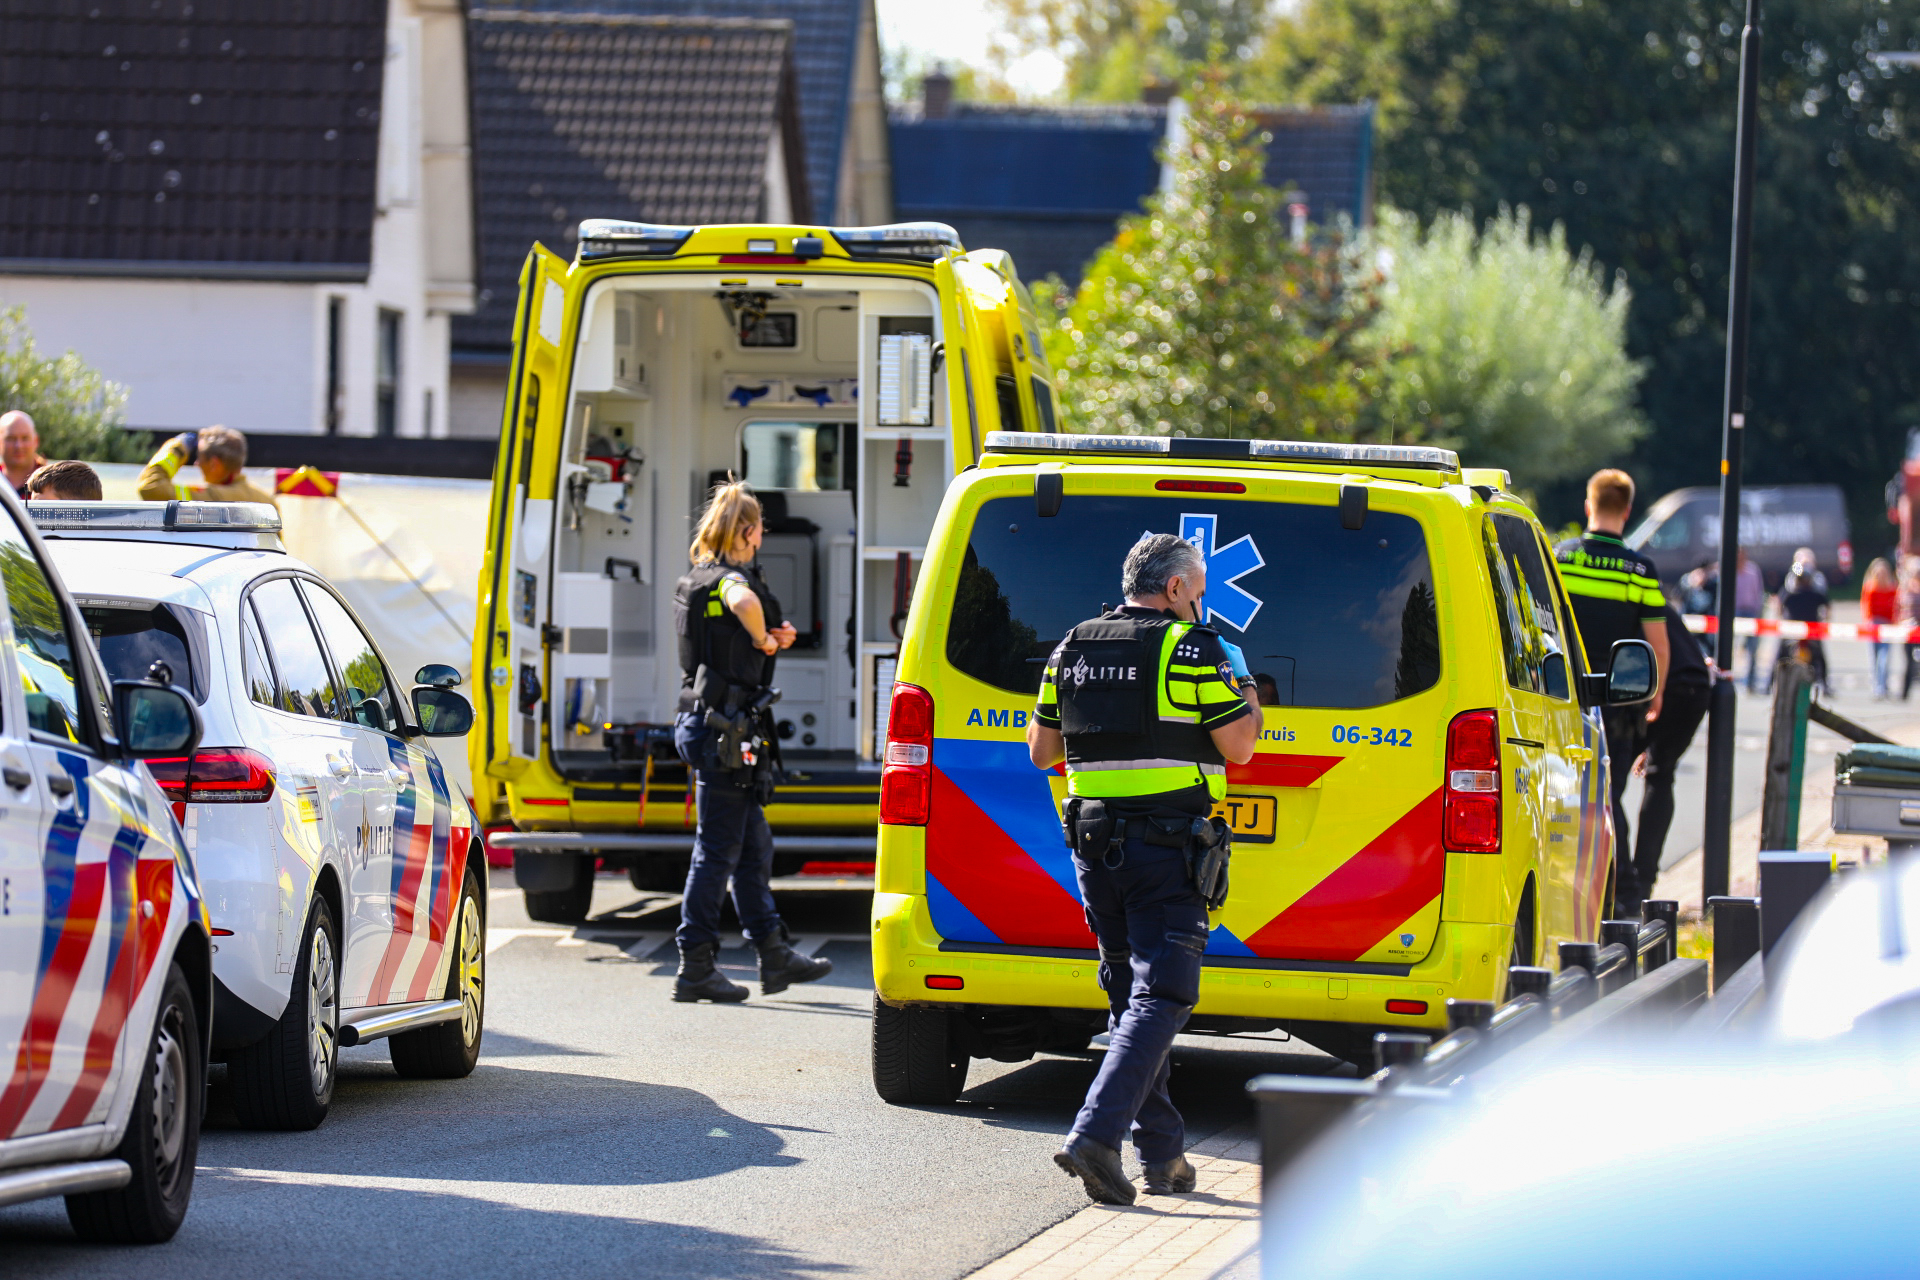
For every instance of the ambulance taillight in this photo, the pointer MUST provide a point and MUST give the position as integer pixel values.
(906, 783)
(1470, 821)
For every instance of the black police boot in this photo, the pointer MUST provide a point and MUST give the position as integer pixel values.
(699, 980)
(781, 966)
(1098, 1168)
(1169, 1177)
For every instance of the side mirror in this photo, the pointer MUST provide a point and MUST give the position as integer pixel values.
(442, 712)
(154, 720)
(437, 674)
(1632, 675)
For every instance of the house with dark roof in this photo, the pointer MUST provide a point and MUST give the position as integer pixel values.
(252, 214)
(1049, 183)
(680, 111)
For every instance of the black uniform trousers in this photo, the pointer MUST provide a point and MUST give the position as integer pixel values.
(1626, 729)
(1668, 738)
(1152, 928)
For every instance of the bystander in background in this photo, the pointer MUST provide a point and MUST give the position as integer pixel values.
(1750, 601)
(19, 449)
(1879, 604)
(69, 480)
(221, 453)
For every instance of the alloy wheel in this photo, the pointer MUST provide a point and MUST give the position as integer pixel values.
(472, 960)
(323, 1014)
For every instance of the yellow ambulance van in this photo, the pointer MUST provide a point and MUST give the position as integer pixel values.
(848, 374)
(1427, 805)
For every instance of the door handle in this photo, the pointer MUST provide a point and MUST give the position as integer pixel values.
(60, 784)
(1581, 754)
(18, 779)
(399, 777)
(339, 768)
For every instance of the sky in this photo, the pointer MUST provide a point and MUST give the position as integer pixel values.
(959, 30)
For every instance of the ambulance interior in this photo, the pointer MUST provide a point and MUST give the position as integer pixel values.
(828, 403)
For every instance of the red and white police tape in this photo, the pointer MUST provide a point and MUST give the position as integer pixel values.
(1887, 633)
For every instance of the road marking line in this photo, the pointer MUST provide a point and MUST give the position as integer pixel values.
(500, 937)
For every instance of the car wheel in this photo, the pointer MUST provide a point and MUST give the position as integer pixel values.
(658, 875)
(163, 1134)
(285, 1081)
(914, 1060)
(449, 1050)
(565, 906)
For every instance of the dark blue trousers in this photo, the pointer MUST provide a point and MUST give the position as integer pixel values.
(732, 842)
(1152, 928)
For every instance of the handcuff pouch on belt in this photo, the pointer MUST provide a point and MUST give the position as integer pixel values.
(1097, 833)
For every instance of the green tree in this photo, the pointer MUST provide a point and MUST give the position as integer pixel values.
(1615, 118)
(1201, 318)
(1115, 48)
(77, 411)
(1509, 348)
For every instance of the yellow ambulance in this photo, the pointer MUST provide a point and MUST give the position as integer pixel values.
(848, 374)
(1427, 805)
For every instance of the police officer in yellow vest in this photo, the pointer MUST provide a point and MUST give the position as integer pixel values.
(1146, 706)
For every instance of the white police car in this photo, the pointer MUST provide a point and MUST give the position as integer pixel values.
(344, 882)
(105, 962)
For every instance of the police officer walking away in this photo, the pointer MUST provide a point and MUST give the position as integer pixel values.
(1615, 593)
(724, 731)
(1142, 705)
(1689, 691)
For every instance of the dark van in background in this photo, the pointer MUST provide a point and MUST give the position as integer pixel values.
(1681, 531)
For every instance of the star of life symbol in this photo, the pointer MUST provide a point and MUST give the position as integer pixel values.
(1226, 601)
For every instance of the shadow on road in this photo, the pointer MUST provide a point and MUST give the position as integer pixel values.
(397, 1232)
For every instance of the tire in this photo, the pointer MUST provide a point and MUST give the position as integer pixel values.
(285, 1081)
(449, 1050)
(658, 875)
(914, 1060)
(163, 1133)
(565, 906)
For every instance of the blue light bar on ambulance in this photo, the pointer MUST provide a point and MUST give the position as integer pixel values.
(159, 517)
(917, 241)
(616, 238)
(1379, 455)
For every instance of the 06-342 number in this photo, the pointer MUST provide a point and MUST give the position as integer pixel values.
(1374, 737)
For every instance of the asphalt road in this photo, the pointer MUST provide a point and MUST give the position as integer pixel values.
(611, 1132)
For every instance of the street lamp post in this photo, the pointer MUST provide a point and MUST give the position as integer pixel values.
(1717, 850)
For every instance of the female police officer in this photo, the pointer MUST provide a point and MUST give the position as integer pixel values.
(721, 612)
(1142, 705)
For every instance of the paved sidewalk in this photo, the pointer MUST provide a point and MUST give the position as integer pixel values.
(1214, 1232)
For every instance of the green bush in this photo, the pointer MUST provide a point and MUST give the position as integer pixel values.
(77, 411)
(1506, 346)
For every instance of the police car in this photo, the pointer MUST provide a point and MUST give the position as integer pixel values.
(1427, 805)
(105, 987)
(346, 891)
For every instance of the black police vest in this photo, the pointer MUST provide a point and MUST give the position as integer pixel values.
(1108, 680)
(711, 635)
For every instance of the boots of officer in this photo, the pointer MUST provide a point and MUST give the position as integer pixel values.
(698, 979)
(781, 966)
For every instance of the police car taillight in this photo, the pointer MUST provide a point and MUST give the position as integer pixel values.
(906, 784)
(1470, 814)
(215, 775)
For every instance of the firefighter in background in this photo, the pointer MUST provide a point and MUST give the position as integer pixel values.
(1146, 706)
(724, 731)
(221, 453)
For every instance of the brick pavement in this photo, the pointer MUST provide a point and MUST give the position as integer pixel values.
(1210, 1233)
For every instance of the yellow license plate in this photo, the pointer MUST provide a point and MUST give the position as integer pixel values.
(1252, 818)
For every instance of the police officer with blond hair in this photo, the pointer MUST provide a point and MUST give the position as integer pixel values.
(724, 617)
(1146, 706)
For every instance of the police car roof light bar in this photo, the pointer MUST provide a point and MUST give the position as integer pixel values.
(1390, 455)
(205, 517)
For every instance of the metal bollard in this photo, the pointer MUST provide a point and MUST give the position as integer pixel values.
(1789, 880)
(1667, 911)
(1477, 1014)
(1736, 935)
(1579, 955)
(1525, 980)
(1398, 1049)
(1624, 933)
